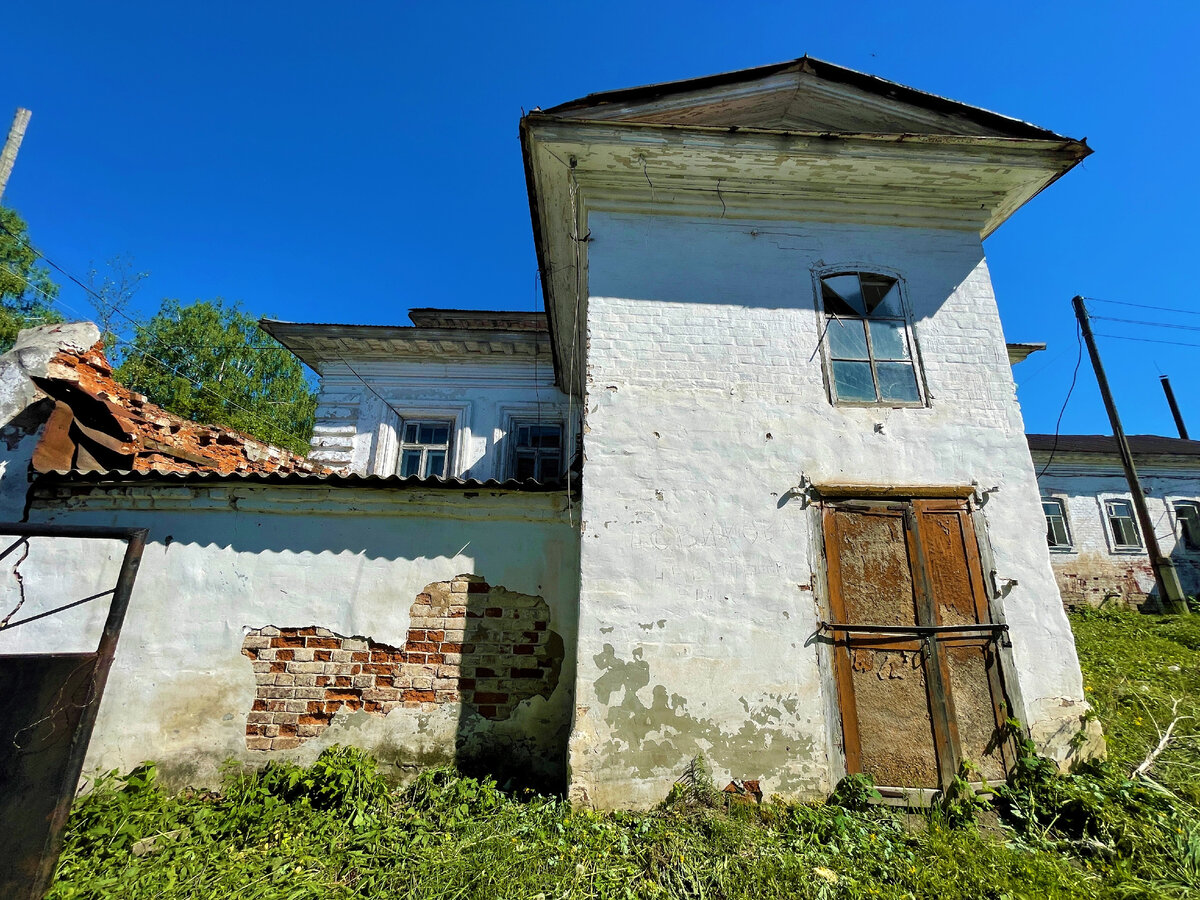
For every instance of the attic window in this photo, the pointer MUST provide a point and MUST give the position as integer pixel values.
(868, 342)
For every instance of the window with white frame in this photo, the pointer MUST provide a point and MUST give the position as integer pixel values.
(1121, 525)
(868, 341)
(1187, 519)
(537, 449)
(425, 447)
(1057, 534)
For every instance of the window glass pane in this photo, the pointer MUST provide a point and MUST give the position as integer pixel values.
(1056, 524)
(890, 305)
(549, 466)
(874, 289)
(888, 341)
(847, 339)
(835, 305)
(435, 463)
(897, 381)
(846, 287)
(410, 433)
(1189, 524)
(853, 381)
(525, 466)
(434, 433)
(548, 436)
(410, 463)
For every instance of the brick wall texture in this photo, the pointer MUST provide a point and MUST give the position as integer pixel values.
(467, 642)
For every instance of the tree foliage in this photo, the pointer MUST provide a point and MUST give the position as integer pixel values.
(209, 361)
(26, 292)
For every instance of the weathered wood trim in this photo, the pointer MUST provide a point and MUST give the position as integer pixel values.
(835, 490)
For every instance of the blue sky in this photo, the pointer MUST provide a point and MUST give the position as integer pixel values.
(345, 162)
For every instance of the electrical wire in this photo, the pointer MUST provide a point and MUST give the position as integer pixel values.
(1066, 400)
(145, 353)
(1147, 322)
(1142, 340)
(1174, 309)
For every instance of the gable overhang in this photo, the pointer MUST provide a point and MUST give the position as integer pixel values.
(970, 182)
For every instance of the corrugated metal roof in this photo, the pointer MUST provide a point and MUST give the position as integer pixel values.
(336, 479)
(1147, 444)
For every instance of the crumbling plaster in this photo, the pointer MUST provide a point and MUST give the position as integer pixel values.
(705, 410)
(223, 561)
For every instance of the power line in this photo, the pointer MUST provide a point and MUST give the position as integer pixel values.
(1175, 309)
(145, 353)
(1066, 400)
(1146, 322)
(1142, 340)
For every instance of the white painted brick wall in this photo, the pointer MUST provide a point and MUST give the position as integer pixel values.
(1092, 556)
(698, 572)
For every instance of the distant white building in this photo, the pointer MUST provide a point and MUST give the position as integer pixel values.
(755, 486)
(1096, 546)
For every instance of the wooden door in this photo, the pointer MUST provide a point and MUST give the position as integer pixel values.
(914, 704)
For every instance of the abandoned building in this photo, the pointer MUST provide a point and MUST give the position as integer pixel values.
(1096, 546)
(755, 485)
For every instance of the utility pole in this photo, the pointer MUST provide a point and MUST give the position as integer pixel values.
(1166, 384)
(9, 155)
(1170, 591)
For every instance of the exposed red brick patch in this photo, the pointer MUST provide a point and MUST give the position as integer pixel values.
(305, 675)
(99, 424)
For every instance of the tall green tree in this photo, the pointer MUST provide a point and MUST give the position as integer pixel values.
(209, 361)
(26, 292)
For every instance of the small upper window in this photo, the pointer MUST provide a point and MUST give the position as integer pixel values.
(870, 348)
(425, 448)
(1057, 535)
(1187, 515)
(1122, 525)
(537, 450)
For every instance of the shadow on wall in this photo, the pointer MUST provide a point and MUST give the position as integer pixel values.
(488, 650)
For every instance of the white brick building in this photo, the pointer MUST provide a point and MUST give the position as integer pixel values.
(1096, 546)
(801, 534)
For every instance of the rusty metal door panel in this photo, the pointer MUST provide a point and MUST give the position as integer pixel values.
(44, 700)
(886, 720)
(972, 677)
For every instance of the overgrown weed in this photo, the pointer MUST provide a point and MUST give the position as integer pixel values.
(336, 829)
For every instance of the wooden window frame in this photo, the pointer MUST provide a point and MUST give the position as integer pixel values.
(826, 320)
(425, 448)
(1184, 534)
(942, 714)
(1066, 525)
(516, 450)
(1117, 545)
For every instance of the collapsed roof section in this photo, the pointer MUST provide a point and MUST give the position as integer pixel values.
(801, 140)
(89, 422)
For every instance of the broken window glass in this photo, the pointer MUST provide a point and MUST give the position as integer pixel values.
(1122, 525)
(867, 336)
(1057, 535)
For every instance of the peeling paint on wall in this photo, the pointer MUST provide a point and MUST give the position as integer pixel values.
(467, 642)
(650, 737)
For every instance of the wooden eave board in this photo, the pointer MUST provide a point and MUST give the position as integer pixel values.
(806, 94)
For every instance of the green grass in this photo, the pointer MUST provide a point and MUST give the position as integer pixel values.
(337, 830)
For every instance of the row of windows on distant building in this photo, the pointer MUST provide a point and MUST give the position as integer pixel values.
(1120, 524)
